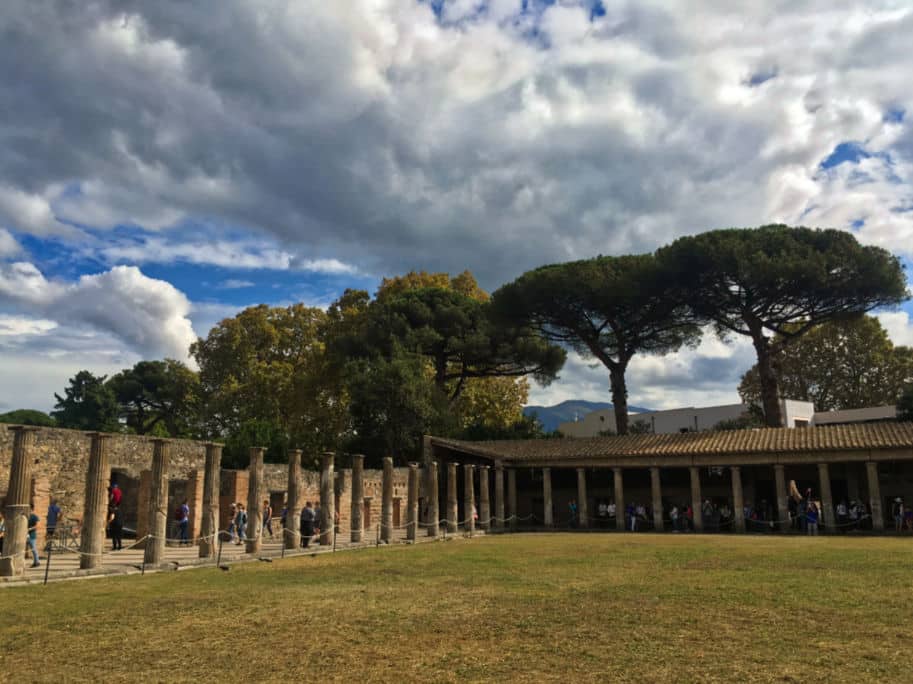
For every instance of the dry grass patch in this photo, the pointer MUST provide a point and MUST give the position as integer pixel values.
(520, 608)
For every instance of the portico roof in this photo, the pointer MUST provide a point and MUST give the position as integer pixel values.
(870, 441)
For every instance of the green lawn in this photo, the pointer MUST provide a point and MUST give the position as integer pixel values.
(560, 607)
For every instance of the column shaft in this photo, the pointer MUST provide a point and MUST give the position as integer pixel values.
(434, 511)
(547, 510)
(619, 499)
(327, 499)
(484, 500)
(696, 498)
(95, 509)
(18, 497)
(512, 498)
(452, 499)
(827, 500)
(499, 497)
(209, 526)
(782, 503)
(412, 503)
(358, 497)
(871, 471)
(291, 533)
(657, 494)
(386, 503)
(469, 497)
(583, 511)
(738, 500)
(254, 501)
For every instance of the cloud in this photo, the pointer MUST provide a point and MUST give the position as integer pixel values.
(8, 245)
(234, 284)
(149, 316)
(384, 136)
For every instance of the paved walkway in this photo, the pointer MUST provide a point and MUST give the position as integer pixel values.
(65, 564)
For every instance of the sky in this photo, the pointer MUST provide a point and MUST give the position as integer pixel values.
(165, 164)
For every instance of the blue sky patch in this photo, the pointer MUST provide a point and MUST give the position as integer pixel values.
(845, 152)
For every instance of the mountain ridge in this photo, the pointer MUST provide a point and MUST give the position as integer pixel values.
(552, 416)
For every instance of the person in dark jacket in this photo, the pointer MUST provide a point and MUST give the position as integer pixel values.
(308, 518)
(116, 528)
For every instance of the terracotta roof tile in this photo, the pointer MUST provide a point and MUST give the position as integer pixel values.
(889, 435)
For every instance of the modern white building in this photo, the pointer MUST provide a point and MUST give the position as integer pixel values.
(875, 414)
(690, 419)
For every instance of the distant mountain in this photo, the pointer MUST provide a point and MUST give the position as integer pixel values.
(552, 416)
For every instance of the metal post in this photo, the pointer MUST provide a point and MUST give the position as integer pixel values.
(47, 566)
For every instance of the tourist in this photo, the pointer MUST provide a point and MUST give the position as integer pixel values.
(241, 524)
(283, 517)
(116, 528)
(842, 515)
(811, 518)
(267, 518)
(33, 535)
(572, 511)
(611, 510)
(116, 495)
(602, 512)
(53, 517)
(897, 512)
(908, 518)
(673, 515)
(231, 522)
(640, 513)
(183, 519)
(2, 530)
(308, 516)
(317, 520)
(689, 518)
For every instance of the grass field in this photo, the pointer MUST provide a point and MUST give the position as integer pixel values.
(521, 608)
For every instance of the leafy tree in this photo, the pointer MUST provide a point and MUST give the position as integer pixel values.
(905, 404)
(527, 427)
(27, 417)
(158, 397)
(255, 433)
(841, 364)
(777, 280)
(89, 404)
(270, 365)
(610, 308)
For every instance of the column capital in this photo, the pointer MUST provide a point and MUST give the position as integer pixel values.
(154, 440)
(295, 451)
(24, 428)
(214, 445)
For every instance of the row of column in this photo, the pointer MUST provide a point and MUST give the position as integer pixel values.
(696, 498)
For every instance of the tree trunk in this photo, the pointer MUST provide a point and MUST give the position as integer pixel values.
(619, 399)
(770, 399)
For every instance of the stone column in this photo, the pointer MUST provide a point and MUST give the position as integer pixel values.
(657, 493)
(254, 501)
(327, 499)
(782, 503)
(386, 504)
(209, 527)
(453, 502)
(738, 500)
(484, 499)
(196, 482)
(827, 500)
(499, 497)
(871, 471)
(512, 498)
(469, 497)
(358, 497)
(17, 503)
(619, 499)
(548, 513)
(291, 534)
(696, 498)
(412, 503)
(583, 512)
(434, 509)
(95, 509)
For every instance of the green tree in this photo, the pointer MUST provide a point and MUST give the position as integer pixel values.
(841, 364)
(610, 308)
(27, 417)
(270, 365)
(89, 404)
(780, 281)
(160, 397)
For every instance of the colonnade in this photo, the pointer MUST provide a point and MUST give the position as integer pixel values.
(824, 488)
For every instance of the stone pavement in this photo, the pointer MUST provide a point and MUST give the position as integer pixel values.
(65, 564)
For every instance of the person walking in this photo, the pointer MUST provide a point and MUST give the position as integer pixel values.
(52, 519)
(2, 530)
(33, 535)
(308, 517)
(183, 518)
(241, 524)
(811, 519)
(116, 528)
(267, 518)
